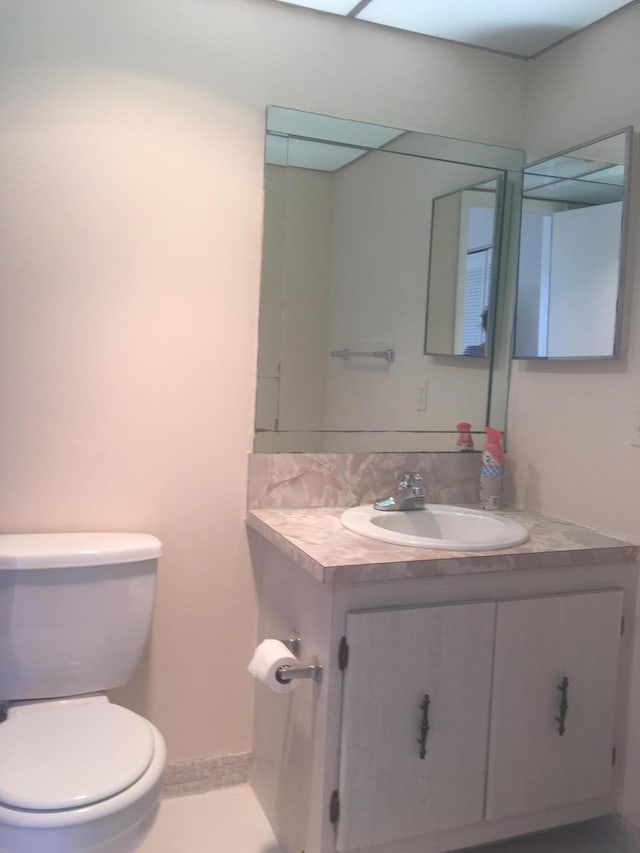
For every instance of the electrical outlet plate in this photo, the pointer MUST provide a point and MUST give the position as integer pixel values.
(421, 405)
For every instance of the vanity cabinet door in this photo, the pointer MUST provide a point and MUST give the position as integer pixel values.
(542, 754)
(410, 669)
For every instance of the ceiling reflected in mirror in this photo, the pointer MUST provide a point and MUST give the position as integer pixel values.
(304, 140)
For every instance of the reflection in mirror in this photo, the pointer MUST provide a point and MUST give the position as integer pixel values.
(341, 362)
(571, 252)
(465, 225)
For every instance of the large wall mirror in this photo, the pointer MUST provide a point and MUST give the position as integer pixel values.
(347, 262)
(572, 252)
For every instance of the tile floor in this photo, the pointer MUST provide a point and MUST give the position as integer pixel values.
(230, 820)
(604, 835)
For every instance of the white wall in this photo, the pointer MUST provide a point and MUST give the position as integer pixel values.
(131, 204)
(570, 424)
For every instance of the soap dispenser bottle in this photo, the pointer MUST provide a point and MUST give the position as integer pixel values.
(491, 471)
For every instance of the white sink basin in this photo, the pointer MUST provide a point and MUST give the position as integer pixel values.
(454, 528)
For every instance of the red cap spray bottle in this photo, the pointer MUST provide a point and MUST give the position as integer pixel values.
(491, 471)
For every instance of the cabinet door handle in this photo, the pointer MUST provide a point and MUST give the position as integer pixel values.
(563, 687)
(424, 725)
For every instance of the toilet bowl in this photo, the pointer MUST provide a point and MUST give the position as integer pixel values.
(78, 774)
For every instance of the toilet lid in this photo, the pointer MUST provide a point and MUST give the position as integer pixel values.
(71, 755)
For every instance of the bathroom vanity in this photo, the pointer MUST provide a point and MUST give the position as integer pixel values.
(464, 697)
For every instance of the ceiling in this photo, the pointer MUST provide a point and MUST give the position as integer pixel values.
(521, 28)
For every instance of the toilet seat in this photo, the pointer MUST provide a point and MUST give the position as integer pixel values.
(67, 756)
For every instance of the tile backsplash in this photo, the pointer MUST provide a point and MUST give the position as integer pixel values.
(349, 479)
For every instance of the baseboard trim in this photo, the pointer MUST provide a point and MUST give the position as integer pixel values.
(199, 775)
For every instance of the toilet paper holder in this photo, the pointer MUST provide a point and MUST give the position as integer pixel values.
(285, 674)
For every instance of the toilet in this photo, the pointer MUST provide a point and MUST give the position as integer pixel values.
(78, 773)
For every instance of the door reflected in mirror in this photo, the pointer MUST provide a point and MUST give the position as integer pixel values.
(571, 252)
(465, 225)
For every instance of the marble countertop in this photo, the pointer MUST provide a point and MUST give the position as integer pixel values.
(316, 540)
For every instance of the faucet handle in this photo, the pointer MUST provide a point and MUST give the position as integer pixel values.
(410, 478)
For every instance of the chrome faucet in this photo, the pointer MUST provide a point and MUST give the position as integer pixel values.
(408, 495)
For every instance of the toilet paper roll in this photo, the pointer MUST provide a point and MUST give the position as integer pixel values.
(268, 657)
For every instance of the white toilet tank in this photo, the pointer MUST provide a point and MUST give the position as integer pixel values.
(75, 611)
